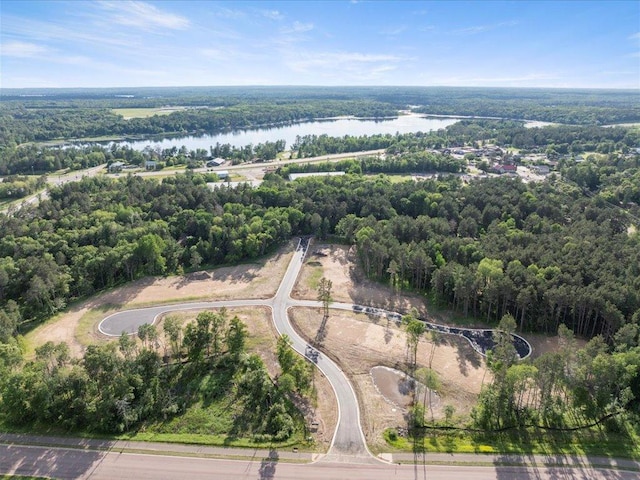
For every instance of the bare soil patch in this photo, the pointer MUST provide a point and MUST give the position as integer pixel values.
(400, 389)
(358, 343)
(339, 264)
(255, 280)
(541, 344)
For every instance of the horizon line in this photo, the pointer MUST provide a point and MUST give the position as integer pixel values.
(4, 89)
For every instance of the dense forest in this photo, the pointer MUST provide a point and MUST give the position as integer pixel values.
(40, 115)
(545, 254)
(555, 141)
(561, 255)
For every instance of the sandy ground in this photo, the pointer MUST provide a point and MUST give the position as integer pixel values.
(339, 263)
(357, 343)
(78, 325)
(257, 280)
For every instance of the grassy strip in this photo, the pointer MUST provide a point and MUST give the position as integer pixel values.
(21, 477)
(144, 112)
(523, 442)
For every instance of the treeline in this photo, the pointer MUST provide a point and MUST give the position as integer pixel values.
(419, 162)
(118, 386)
(554, 141)
(545, 256)
(316, 145)
(562, 139)
(570, 388)
(23, 122)
(572, 107)
(19, 187)
(615, 177)
(542, 252)
(99, 233)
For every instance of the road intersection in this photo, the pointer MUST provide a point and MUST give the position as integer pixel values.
(348, 442)
(348, 456)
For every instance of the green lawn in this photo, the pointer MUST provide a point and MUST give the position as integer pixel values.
(584, 442)
(145, 112)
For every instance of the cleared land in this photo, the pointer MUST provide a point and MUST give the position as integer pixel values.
(78, 326)
(359, 342)
(339, 264)
(128, 113)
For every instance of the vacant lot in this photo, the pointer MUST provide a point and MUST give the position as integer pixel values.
(338, 263)
(78, 325)
(261, 340)
(358, 343)
(128, 113)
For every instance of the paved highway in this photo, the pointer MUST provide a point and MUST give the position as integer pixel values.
(72, 464)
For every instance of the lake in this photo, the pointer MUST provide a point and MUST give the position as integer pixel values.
(333, 128)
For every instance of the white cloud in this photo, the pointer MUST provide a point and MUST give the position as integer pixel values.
(351, 66)
(483, 28)
(272, 14)
(299, 27)
(635, 36)
(392, 31)
(56, 32)
(22, 49)
(143, 15)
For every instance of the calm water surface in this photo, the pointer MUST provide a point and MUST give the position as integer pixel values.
(288, 133)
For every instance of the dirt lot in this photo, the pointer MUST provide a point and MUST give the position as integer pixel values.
(357, 343)
(257, 280)
(338, 263)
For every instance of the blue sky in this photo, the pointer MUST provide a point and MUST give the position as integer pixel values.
(166, 43)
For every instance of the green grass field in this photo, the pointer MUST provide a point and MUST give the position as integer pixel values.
(145, 112)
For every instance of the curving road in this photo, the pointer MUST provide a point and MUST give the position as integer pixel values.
(348, 443)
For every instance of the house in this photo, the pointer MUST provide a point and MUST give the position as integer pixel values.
(150, 165)
(215, 162)
(222, 174)
(115, 167)
(507, 168)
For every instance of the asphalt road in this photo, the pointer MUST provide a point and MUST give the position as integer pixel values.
(348, 441)
(128, 321)
(68, 464)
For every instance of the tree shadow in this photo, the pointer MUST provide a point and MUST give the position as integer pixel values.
(563, 466)
(47, 462)
(268, 465)
(322, 331)
(388, 333)
(465, 355)
(419, 452)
